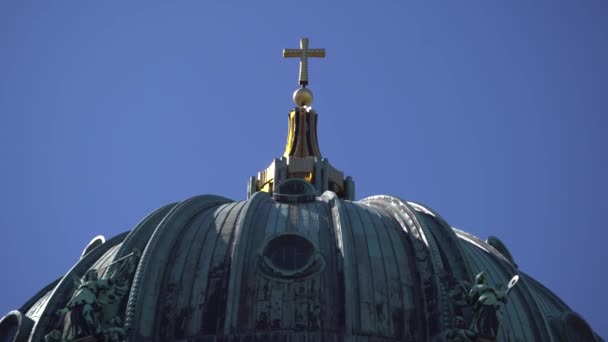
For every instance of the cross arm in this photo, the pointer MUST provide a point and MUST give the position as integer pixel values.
(302, 53)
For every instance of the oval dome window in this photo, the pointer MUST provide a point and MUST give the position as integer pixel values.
(290, 255)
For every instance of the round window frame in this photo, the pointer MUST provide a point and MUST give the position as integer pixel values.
(313, 265)
(307, 195)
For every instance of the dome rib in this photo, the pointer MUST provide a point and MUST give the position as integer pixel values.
(328, 244)
(208, 287)
(365, 271)
(449, 243)
(153, 263)
(423, 254)
(140, 235)
(191, 297)
(175, 283)
(345, 245)
(238, 256)
(392, 312)
(404, 322)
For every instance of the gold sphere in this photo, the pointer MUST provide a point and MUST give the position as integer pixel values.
(302, 97)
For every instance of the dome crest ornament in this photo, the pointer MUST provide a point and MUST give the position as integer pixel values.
(302, 158)
(303, 96)
(303, 53)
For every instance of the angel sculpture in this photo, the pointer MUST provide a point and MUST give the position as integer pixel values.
(94, 307)
(84, 305)
(486, 302)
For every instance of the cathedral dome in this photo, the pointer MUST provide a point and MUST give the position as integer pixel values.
(215, 269)
(299, 260)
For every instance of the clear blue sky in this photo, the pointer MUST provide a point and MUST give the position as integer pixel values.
(491, 112)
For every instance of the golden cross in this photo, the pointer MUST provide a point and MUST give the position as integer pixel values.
(303, 52)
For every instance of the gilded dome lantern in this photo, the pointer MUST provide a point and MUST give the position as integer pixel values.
(302, 157)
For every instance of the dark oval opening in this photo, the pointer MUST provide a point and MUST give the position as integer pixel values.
(289, 252)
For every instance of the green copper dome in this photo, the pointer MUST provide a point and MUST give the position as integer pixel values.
(211, 269)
